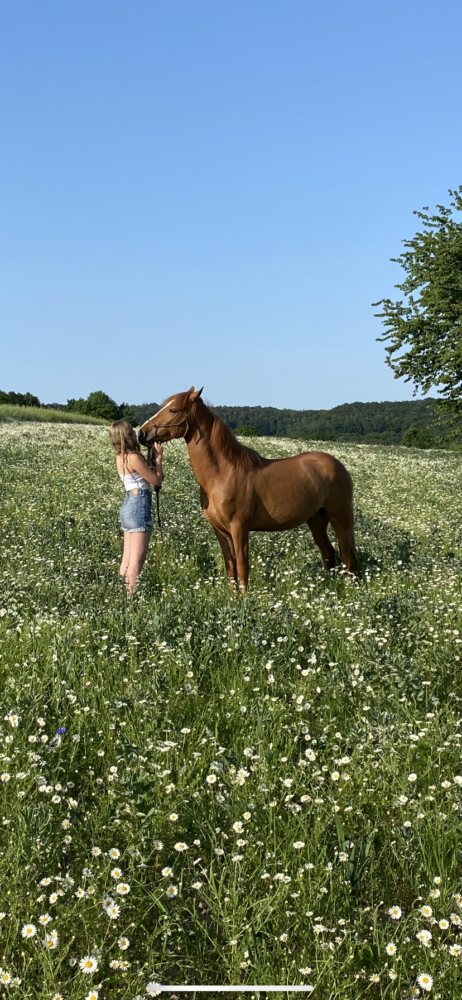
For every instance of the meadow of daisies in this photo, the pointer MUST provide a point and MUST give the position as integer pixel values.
(201, 790)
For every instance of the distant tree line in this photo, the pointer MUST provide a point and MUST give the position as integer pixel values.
(19, 399)
(370, 423)
(411, 422)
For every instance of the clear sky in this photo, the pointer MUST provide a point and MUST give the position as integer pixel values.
(209, 192)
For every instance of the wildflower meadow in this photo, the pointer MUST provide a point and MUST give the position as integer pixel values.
(201, 789)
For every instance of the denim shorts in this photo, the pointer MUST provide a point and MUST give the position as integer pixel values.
(135, 512)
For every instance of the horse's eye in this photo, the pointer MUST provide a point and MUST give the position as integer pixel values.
(173, 411)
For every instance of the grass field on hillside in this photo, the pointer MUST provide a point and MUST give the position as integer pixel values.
(44, 415)
(261, 790)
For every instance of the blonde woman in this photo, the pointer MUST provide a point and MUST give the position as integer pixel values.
(135, 513)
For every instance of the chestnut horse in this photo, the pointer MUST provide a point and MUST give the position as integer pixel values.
(241, 491)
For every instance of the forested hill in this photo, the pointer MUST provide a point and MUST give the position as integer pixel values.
(368, 422)
(381, 423)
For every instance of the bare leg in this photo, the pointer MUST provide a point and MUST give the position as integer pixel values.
(227, 548)
(343, 527)
(126, 554)
(240, 537)
(139, 545)
(318, 527)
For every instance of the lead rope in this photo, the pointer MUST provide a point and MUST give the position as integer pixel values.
(157, 489)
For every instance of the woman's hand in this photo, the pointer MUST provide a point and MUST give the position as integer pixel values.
(155, 452)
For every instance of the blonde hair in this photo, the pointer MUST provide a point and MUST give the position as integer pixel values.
(123, 438)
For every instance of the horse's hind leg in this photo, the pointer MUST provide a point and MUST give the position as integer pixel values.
(318, 527)
(229, 555)
(344, 530)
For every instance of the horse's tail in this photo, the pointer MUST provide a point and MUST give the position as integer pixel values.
(353, 549)
(351, 529)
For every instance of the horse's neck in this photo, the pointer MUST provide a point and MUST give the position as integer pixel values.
(204, 461)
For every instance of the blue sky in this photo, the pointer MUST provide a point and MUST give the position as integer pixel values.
(209, 193)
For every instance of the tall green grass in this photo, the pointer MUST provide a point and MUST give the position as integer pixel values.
(44, 415)
(276, 778)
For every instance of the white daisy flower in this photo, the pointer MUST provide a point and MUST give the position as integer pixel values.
(50, 941)
(29, 930)
(123, 888)
(424, 937)
(88, 964)
(425, 981)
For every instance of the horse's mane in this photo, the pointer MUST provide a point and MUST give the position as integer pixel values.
(223, 440)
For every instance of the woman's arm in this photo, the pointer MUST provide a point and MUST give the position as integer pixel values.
(138, 463)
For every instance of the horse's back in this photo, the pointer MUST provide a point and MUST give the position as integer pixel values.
(287, 492)
(315, 468)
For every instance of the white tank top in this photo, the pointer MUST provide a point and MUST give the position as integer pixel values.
(133, 480)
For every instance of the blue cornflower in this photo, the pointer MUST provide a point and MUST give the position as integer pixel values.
(61, 731)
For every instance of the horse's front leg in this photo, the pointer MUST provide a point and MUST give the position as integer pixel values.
(240, 537)
(229, 555)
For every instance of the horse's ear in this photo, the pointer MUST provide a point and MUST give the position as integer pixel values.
(193, 395)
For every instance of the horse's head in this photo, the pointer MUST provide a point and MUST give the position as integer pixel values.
(172, 420)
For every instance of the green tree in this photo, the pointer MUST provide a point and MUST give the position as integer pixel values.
(126, 413)
(246, 430)
(427, 323)
(99, 404)
(415, 437)
(19, 399)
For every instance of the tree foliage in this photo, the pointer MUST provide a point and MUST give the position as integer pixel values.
(426, 325)
(99, 404)
(246, 430)
(142, 412)
(19, 399)
(369, 423)
(416, 437)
